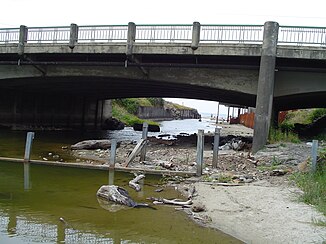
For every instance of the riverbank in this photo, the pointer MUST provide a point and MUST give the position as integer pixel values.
(258, 202)
(262, 204)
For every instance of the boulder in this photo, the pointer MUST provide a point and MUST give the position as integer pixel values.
(151, 128)
(92, 144)
(113, 124)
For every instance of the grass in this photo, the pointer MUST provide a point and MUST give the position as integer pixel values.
(120, 112)
(314, 184)
(277, 135)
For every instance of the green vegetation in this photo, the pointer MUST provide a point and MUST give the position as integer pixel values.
(125, 109)
(314, 184)
(303, 116)
(285, 132)
(277, 135)
(176, 106)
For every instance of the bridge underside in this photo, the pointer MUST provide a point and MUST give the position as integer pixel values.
(71, 90)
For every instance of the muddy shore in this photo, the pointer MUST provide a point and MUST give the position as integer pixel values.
(260, 205)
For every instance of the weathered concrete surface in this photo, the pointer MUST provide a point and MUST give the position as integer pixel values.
(265, 90)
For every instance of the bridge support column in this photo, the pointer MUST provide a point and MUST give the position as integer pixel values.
(265, 88)
(22, 39)
(73, 35)
(195, 35)
(130, 38)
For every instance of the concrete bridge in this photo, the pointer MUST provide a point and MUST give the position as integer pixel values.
(64, 76)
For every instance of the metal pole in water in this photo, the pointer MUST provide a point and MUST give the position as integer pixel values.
(28, 146)
(314, 155)
(216, 145)
(200, 152)
(144, 136)
(26, 176)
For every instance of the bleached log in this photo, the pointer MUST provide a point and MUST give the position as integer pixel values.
(172, 202)
(134, 183)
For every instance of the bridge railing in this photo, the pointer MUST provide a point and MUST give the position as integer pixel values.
(308, 36)
(232, 33)
(9, 35)
(48, 34)
(102, 33)
(246, 34)
(164, 33)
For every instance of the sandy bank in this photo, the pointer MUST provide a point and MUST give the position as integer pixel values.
(261, 213)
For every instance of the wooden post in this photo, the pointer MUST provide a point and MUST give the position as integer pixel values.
(27, 185)
(218, 112)
(113, 153)
(216, 144)
(144, 137)
(314, 155)
(28, 146)
(200, 152)
(228, 118)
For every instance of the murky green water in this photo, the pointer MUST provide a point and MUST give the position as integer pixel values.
(33, 216)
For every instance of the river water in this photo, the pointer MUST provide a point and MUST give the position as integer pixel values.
(59, 205)
(12, 143)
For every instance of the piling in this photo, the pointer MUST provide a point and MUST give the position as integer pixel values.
(28, 146)
(314, 150)
(113, 153)
(200, 152)
(144, 137)
(216, 145)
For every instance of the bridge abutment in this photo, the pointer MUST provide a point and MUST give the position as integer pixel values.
(265, 89)
(21, 111)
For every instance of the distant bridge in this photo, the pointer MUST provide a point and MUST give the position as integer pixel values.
(62, 76)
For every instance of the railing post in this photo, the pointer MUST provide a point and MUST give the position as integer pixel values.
(23, 32)
(144, 136)
(200, 152)
(73, 35)
(265, 89)
(314, 155)
(28, 146)
(195, 35)
(131, 37)
(216, 145)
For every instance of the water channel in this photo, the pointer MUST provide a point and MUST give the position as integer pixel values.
(59, 205)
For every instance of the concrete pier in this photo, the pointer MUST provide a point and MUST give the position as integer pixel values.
(265, 90)
(19, 110)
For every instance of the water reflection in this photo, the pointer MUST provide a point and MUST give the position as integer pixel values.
(111, 176)
(34, 216)
(27, 184)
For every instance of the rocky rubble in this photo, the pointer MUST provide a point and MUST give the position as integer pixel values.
(234, 166)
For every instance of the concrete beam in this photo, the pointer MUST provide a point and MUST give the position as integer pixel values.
(265, 90)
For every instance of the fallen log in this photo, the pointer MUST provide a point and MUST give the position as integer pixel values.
(134, 183)
(171, 202)
(118, 195)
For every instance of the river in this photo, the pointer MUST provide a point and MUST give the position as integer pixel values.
(59, 205)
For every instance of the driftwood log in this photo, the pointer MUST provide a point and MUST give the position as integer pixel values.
(118, 195)
(157, 201)
(134, 183)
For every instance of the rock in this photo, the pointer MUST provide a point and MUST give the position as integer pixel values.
(278, 172)
(113, 124)
(92, 144)
(198, 208)
(151, 128)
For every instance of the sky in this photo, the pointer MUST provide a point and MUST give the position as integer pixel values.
(35, 13)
